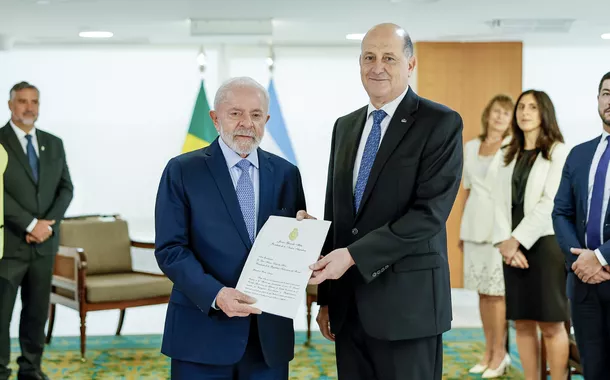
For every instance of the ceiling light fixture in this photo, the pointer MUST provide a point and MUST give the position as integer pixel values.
(355, 36)
(96, 34)
(606, 36)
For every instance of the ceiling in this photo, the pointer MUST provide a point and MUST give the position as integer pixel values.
(296, 22)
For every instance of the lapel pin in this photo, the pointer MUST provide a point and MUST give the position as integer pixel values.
(403, 121)
(42, 148)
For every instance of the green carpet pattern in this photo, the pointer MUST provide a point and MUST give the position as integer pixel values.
(138, 357)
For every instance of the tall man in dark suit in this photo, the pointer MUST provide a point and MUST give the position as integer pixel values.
(37, 192)
(394, 172)
(581, 219)
(210, 205)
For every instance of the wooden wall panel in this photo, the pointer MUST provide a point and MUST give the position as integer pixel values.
(464, 76)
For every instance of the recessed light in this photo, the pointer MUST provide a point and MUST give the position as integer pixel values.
(606, 36)
(43, 2)
(355, 36)
(96, 34)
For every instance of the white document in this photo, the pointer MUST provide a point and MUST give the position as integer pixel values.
(277, 269)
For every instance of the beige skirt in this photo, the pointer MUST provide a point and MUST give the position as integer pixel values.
(483, 270)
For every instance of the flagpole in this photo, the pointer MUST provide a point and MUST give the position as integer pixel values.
(271, 61)
(201, 62)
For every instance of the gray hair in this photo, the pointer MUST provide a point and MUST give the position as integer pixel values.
(21, 86)
(231, 84)
(407, 44)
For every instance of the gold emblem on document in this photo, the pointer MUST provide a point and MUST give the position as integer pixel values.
(294, 234)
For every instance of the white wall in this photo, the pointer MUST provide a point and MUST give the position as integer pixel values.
(123, 112)
(570, 75)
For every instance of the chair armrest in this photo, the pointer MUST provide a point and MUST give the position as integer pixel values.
(142, 244)
(70, 270)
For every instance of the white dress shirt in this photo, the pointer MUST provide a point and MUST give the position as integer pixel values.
(390, 109)
(596, 158)
(24, 143)
(232, 159)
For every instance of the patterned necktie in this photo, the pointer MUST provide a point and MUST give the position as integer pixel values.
(32, 158)
(245, 195)
(594, 233)
(368, 157)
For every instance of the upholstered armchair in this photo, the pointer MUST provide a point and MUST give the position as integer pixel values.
(93, 271)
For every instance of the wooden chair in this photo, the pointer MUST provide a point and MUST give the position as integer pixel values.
(312, 296)
(93, 271)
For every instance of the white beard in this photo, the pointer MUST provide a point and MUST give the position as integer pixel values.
(242, 149)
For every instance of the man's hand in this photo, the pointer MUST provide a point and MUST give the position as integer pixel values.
(324, 323)
(508, 248)
(42, 231)
(30, 239)
(235, 303)
(331, 266)
(302, 214)
(587, 267)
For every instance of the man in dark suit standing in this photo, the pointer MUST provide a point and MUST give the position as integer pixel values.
(581, 219)
(210, 205)
(394, 172)
(37, 192)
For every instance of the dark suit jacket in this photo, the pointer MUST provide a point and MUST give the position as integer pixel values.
(202, 245)
(25, 200)
(570, 214)
(400, 283)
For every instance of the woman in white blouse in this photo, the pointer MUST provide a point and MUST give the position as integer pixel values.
(482, 263)
(534, 269)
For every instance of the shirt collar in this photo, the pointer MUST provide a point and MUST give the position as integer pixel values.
(19, 132)
(605, 135)
(389, 108)
(233, 158)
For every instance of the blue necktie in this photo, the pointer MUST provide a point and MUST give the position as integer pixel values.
(245, 195)
(594, 233)
(32, 158)
(368, 157)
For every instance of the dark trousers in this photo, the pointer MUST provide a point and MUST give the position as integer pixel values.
(252, 365)
(34, 277)
(361, 357)
(591, 320)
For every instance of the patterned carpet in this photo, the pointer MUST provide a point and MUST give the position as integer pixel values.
(138, 357)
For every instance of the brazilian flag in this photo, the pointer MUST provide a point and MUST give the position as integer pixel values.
(201, 132)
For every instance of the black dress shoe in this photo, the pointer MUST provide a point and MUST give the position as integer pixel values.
(32, 376)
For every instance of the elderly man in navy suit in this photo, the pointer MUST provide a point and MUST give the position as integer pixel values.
(210, 205)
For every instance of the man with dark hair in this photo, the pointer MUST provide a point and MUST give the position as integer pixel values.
(37, 192)
(581, 221)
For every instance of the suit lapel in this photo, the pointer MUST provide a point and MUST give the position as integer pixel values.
(346, 161)
(43, 158)
(399, 125)
(584, 182)
(15, 146)
(218, 167)
(266, 188)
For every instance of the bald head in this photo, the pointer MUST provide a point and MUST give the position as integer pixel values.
(386, 63)
(388, 31)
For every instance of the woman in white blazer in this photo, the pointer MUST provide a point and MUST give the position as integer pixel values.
(534, 267)
(482, 264)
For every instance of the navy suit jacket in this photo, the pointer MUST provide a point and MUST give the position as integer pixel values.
(201, 244)
(570, 213)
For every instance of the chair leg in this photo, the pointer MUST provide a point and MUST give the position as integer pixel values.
(51, 323)
(83, 335)
(309, 303)
(121, 319)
